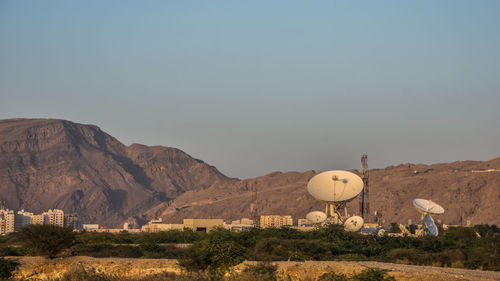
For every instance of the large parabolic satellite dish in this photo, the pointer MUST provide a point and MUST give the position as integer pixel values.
(428, 208)
(335, 188)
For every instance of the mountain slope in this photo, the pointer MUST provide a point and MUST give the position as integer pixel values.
(48, 163)
(464, 194)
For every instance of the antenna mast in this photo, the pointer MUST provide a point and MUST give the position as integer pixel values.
(253, 207)
(364, 202)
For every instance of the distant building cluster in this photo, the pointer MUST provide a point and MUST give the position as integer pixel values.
(11, 221)
(205, 225)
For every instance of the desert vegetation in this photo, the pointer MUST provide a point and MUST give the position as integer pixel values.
(213, 254)
(261, 271)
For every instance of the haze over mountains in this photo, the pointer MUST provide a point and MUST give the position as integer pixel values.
(49, 163)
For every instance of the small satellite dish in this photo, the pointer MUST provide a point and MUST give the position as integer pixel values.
(428, 207)
(335, 186)
(316, 217)
(353, 224)
(431, 226)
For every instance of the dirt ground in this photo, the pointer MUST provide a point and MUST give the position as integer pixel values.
(42, 268)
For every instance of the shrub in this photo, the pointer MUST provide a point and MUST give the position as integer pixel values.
(272, 249)
(156, 251)
(217, 252)
(106, 250)
(460, 234)
(262, 271)
(372, 274)
(332, 276)
(46, 240)
(486, 230)
(353, 257)
(7, 251)
(150, 247)
(7, 267)
(171, 236)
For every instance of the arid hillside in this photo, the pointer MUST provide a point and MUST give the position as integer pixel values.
(78, 168)
(48, 163)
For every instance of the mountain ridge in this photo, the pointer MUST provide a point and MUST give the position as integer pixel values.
(53, 163)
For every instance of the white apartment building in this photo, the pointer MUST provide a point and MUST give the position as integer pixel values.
(7, 221)
(54, 217)
(275, 221)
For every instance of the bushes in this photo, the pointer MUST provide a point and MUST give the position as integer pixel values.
(332, 276)
(46, 240)
(155, 251)
(272, 249)
(220, 249)
(262, 271)
(106, 250)
(6, 268)
(372, 274)
(106, 238)
(217, 252)
(419, 257)
(369, 274)
(486, 230)
(482, 258)
(7, 251)
(171, 236)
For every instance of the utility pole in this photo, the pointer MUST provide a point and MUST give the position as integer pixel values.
(364, 202)
(253, 207)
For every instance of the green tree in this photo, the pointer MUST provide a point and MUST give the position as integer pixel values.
(46, 240)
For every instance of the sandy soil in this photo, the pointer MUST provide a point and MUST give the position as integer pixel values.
(41, 268)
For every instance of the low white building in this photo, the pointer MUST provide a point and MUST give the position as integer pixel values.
(158, 225)
(90, 227)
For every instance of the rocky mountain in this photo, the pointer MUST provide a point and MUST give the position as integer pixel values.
(48, 163)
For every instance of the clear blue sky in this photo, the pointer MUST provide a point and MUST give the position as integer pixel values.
(253, 87)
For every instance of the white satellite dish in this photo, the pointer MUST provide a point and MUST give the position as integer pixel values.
(316, 217)
(353, 224)
(428, 207)
(335, 188)
(431, 226)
